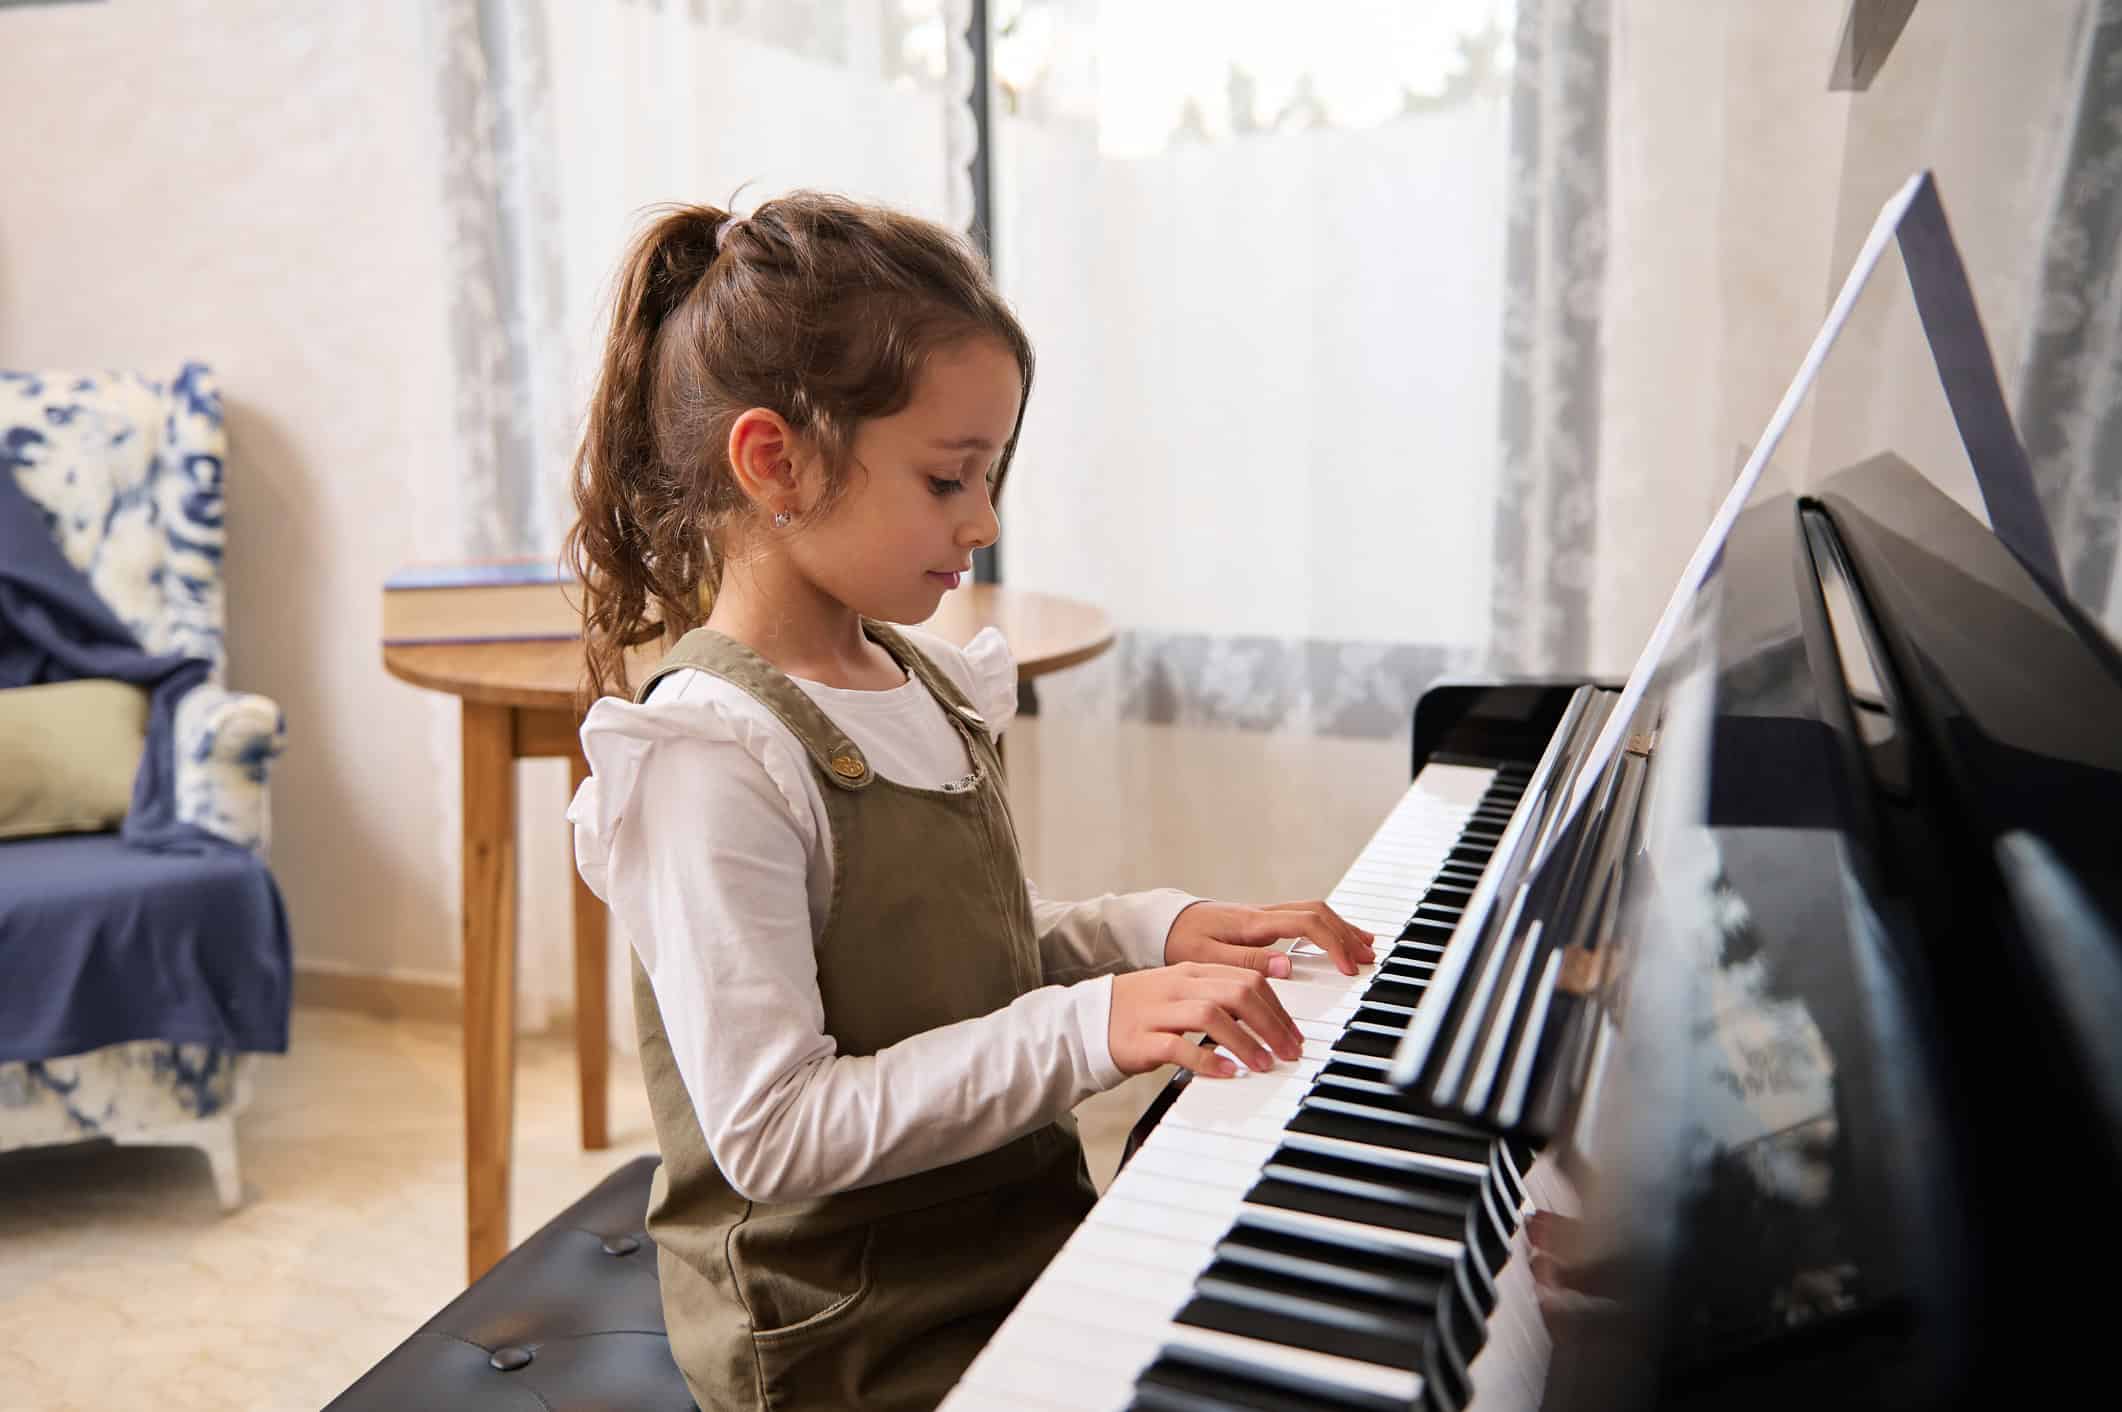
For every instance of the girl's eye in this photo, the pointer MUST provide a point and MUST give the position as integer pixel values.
(940, 486)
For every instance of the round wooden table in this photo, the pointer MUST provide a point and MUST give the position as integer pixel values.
(520, 702)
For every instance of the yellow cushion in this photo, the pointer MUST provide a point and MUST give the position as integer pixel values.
(68, 754)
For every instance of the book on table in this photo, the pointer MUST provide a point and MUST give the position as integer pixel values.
(492, 600)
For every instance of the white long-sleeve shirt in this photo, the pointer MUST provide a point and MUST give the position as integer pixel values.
(703, 826)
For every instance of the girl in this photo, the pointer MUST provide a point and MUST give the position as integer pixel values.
(861, 1030)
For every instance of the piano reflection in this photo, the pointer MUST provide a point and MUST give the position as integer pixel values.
(1746, 1034)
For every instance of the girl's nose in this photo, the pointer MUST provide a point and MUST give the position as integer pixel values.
(981, 529)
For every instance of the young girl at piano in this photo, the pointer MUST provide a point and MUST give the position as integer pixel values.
(861, 1030)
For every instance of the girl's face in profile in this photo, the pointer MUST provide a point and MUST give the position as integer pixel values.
(921, 498)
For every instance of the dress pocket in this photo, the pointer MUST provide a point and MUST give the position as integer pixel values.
(797, 1282)
(810, 1363)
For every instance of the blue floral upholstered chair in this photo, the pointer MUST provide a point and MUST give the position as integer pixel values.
(126, 476)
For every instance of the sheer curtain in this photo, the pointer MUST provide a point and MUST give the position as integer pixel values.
(2070, 396)
(564, 120)
(1260, 249)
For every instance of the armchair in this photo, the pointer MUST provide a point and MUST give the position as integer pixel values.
(192, 960)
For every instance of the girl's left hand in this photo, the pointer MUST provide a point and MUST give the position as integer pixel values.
(1227, 935)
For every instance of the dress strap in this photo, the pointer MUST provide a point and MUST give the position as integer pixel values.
(838, 758)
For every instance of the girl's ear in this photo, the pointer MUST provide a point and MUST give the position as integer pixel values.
(762, 455)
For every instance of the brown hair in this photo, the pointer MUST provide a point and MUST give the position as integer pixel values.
(818, 308)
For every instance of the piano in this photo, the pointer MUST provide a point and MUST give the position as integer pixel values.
(1785, 1072)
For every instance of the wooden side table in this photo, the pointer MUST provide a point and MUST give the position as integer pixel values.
(518, 704)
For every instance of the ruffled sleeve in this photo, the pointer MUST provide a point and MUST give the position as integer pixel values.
(994, 684)
(619, 736)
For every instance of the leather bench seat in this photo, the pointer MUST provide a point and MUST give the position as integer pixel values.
(571, 1320)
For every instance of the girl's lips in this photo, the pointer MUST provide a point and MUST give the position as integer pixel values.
(947, 580)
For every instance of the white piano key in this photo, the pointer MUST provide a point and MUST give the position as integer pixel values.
(1307, 1000)
(1058, 1336)
(1106, 1279)
(1006, 1379)
(1230, 1103)
(1373, 1378)
(1107, 1245)
(972, 1396)
(1175, 1193)
(1193, 1167)
(1203, 1225)
(1112, 1310)
(1454, 784)
(1224, 1147)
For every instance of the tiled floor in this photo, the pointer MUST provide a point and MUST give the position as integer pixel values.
(123, 1285)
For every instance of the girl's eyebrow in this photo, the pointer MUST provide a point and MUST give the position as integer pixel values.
(965, 443)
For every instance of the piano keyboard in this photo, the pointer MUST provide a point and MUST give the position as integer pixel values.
(1295, 1239)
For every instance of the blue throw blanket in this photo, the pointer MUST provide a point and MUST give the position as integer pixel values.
(166, 931)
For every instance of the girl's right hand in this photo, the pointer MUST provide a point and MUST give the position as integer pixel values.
(1154, 1010)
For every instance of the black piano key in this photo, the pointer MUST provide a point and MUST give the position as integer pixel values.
(1321, 1120)
(1168, 1385)
(1384, 1021)
(1460, 1319)
(1358, 1085)
(1386, 1215)
(1290, 1297)
(1403, 1013)
(1436, 912)
(1392, 992)
(1421, 1191)
(1451, 893)
(1295, 1331)
(1472, 853)
(1377, 1046)
(1510, 1190)
(1369, 1078)
(1371, 1270)
(1494, 1239)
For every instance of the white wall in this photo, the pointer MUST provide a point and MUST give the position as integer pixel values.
(253, 184)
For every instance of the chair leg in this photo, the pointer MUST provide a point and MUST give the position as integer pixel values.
(215, 1136)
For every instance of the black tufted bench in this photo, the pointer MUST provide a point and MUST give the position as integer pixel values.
(570, 1321)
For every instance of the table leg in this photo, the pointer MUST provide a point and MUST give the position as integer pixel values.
(489, 782)
(592, 1022)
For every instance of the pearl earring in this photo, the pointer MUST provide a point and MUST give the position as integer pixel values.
(780, 519)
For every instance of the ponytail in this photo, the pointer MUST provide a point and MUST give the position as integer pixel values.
(630, 546)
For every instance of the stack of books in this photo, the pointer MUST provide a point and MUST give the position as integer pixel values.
(493, 600)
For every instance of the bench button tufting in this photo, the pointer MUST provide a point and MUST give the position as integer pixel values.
(508, 1360)
(622, 1245)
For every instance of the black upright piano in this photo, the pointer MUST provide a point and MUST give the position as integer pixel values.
(1785, 1071)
